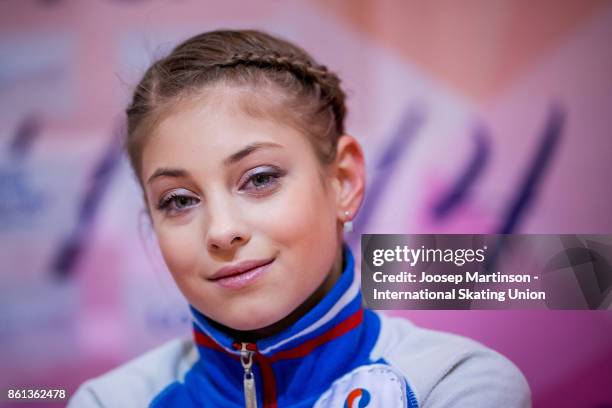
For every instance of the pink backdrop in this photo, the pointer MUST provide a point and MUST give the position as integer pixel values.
(475, 116)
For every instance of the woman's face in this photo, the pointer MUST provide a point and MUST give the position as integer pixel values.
(227, 190)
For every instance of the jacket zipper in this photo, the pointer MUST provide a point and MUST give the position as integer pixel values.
(250, 392)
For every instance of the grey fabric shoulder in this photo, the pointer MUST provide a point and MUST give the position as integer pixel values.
(137, 382)
(447, 370)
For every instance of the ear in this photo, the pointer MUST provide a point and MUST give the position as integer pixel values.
(349, 177)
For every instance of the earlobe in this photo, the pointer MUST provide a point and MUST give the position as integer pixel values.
(348, 223)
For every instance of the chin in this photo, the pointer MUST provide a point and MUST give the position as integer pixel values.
(254, 321)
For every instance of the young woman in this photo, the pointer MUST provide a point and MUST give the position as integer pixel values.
(238, 141)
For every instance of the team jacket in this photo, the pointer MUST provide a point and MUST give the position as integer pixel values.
(337, 355)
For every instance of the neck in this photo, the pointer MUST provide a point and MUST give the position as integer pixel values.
(275, 328)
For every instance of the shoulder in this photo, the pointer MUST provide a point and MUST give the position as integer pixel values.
(446, 370)
(138, 381)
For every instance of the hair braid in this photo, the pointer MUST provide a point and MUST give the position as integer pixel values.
(304, 70)
(311, 94)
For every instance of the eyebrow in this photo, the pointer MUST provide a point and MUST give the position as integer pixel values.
(233, 158)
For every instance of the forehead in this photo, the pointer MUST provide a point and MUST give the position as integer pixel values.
(212, 126)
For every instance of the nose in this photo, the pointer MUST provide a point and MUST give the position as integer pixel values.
(226, 229)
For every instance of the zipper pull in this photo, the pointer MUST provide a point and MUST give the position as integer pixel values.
(250, 392)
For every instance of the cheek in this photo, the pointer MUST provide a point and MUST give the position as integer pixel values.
(302, 218)
(179, 247)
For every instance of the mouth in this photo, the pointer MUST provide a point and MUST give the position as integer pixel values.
(242, 274)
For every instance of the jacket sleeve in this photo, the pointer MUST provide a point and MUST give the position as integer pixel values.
(84, 397)
(447, 370)
(484, 379)
(137, 382)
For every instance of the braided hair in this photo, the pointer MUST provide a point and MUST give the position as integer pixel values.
(309, 94)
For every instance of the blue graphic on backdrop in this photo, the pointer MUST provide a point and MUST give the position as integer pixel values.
(517, 208)
(20, 203)
(475, 167)
(74, 245)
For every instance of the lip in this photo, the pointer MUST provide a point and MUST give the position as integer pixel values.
(241, 274)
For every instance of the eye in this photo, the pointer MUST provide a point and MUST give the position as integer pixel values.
(262, 179)
(176, 201)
